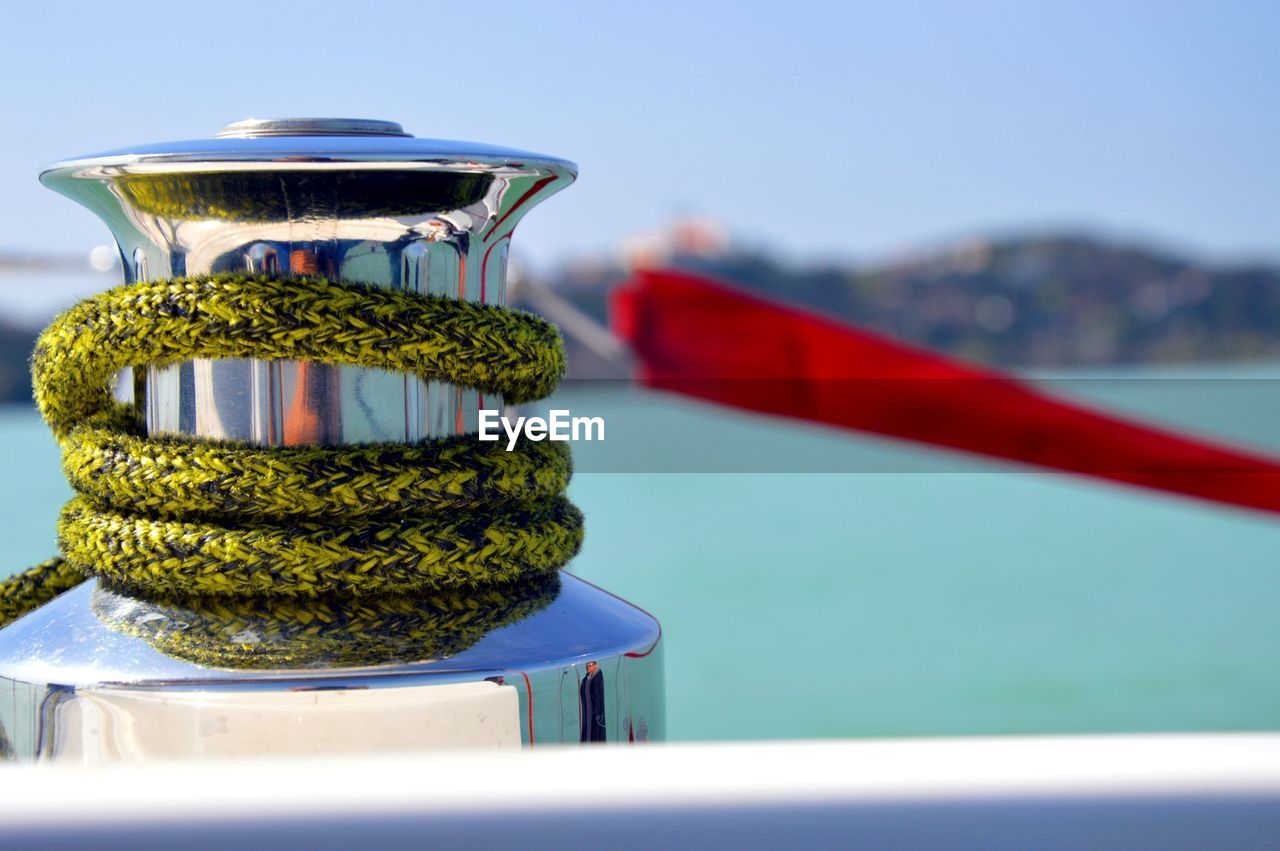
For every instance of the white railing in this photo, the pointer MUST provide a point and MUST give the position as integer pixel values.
(1161, 791)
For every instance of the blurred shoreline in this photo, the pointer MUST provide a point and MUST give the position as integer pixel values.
(1056, 301)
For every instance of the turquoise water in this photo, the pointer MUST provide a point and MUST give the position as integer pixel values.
(969, 598)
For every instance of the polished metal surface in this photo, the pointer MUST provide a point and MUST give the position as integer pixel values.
(342, 198)
(252, 127)
(99, 675)
(91, 642)
(573, 621)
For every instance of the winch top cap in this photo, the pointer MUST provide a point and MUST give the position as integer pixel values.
(313, 142)
(254, 127)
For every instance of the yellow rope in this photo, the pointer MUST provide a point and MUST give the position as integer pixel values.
(180, 518)
(276, 634)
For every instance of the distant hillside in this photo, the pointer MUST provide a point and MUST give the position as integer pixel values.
(1057, 301)
(1036, 302)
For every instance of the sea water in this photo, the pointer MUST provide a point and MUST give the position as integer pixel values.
(910, 592)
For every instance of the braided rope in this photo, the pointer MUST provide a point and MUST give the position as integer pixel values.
(278, 634)
(177, 518)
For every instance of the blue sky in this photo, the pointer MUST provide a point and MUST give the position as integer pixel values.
(826, 130)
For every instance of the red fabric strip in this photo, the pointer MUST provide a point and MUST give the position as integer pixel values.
(703, 339)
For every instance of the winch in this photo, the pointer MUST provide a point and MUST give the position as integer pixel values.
(279, 208)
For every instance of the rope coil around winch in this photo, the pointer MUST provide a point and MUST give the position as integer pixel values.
(181, 518)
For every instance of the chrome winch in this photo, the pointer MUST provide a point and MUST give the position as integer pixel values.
(98, 674)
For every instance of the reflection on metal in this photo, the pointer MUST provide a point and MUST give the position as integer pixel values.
(257, 127)
(123, 724)
(359, 201)
(342, 198)
(92, 643)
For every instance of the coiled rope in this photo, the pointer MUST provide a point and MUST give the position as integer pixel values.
(175, 518)
(284, 633)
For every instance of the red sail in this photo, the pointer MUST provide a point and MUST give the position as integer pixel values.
(703, 339)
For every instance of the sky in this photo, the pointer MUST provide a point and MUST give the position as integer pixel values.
(816, 130)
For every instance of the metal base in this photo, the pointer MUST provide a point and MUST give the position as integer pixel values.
(95, 675)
